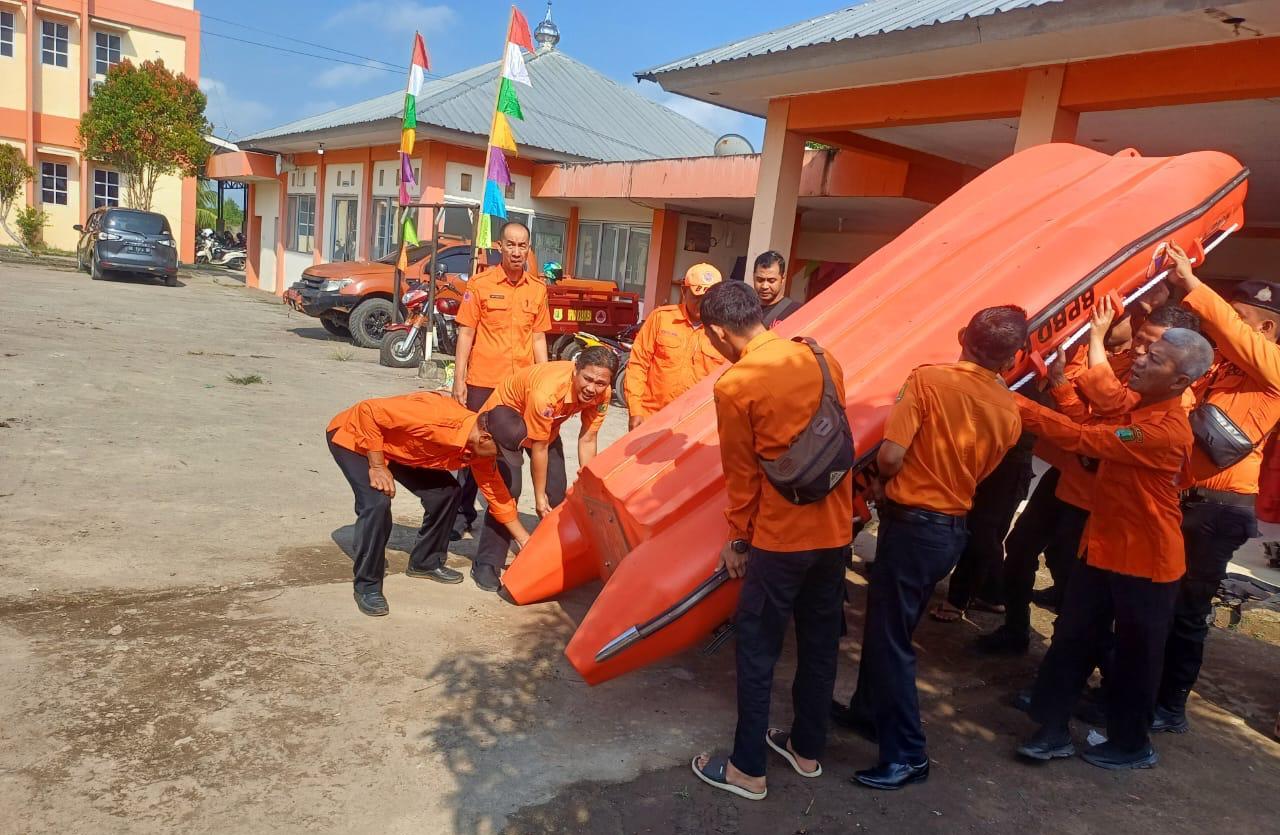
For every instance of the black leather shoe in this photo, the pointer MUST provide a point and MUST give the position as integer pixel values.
(1004, 641)
(892, 776)
(443, 574)
(843, 717)
(1109, 757)
(1045, 745)
(486, 577)
(1170, 721)
(372, 603)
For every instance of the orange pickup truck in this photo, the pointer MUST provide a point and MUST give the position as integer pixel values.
(353, 298)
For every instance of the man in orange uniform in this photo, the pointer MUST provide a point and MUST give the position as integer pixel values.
(792, 556)
(951, 426)
(416, 439)
(545, 396)
(502, 328)
(1131, 571)
(1218, 513)
(671, 352)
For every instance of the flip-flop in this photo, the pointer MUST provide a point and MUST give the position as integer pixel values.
(780, 745)
(984, 606)
(946, 613)
(714, 774)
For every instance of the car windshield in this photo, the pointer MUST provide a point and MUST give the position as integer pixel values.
(141, 223)
(416, 253)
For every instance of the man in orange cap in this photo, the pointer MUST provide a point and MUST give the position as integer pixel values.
(671, 352)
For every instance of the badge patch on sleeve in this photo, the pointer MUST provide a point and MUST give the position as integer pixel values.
(602, 408)
(902, 392)
(1129, 434)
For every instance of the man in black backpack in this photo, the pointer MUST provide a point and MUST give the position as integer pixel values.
(791, 554)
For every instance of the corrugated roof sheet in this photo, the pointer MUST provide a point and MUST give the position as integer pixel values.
(874, 17)
(570, 108)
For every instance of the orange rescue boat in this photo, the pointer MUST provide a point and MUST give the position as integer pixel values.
(1053, 229)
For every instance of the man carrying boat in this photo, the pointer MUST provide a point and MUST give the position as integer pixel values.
(948, 430)
(1218, 511)
(671, 352)
(791, 554)
(502, 328)
(416, 439)
(545, 396)
(769, 274)
(1130, 572)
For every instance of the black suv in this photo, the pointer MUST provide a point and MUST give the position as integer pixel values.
(127, 240)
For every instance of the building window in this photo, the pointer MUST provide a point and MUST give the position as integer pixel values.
(465, 182)
(107, 53)
(384, 226)
(53, 183)
(613, 252)
(106, 188)
(301, 223)
(549, 235)
(6, 34)
(53, 43)
(510, 192)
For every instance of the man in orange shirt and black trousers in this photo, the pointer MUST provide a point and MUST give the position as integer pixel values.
(1218, 511)
(773, 403)
(416, 439)
(502, 328)
(1133, 557)
(950, 428)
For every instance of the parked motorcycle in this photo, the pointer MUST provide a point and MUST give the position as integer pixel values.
(621, 346)
(212, 250)
(404, 343)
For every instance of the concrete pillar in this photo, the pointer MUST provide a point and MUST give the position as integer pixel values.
(1042, 119)
(571, 242)
(433, 167)
(366, 207)
(282, 219)
(662, 258)
(252, 238)
(774, 216)
(317, 254)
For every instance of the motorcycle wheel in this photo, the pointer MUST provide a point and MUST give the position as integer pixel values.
(571, 351)
(235, 264)
(446, 338)
(395, 353)
(201, 258)
(620, 385)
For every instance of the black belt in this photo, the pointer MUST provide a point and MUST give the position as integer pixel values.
(905, 513)
(1199, 494)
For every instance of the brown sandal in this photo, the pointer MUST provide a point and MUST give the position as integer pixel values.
(946, 613)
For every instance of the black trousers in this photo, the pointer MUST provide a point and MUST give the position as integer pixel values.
(437, 490)
(1213, 533)
(1141, 611)
(1047, 525)
(495, 539)
(476, 397)
(807, 586)
(915, 550)
(979, 572)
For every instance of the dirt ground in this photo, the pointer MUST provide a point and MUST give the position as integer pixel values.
(179, 650)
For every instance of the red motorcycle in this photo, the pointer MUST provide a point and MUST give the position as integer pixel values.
(404, 344)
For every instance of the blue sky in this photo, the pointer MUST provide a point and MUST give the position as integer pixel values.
(253, 87)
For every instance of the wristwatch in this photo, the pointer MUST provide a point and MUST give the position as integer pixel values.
(740, 546)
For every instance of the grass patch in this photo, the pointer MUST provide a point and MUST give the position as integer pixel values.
(246, 380)
(343, 354)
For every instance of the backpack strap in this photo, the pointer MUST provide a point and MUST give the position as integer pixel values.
(828, 386)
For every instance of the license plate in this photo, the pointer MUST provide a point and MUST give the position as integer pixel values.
(137, 248)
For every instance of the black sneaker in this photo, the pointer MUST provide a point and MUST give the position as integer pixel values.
(443, 574)
(1004, 641)
(486, 577)
(1108, 756)
(1170, 721)
(1047, 744)
(372, 603)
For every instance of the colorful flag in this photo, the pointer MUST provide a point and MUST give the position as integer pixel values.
(497, 169)
(513, 66)
(484, 231)
(518, 31)
(502, 141)
(409, 233)
(508, 101)
(419, 63)
(501, 136)
(407, 137)
(494, 204)
(406, 170)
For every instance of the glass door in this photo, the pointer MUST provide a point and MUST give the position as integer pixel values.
(384, 226)
(345, 221)
(636, 264)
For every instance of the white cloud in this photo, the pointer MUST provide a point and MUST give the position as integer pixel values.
(395, 16)
(717, 120)
(231, 115)
(346, 75)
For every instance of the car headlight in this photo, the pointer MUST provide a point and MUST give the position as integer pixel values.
(109, 236)
(333, 285)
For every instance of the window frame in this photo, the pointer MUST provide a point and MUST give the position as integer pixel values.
(97, 51)
(61, 36)
(105, 199)
(297, 218)
(7, 28)
(62, 179)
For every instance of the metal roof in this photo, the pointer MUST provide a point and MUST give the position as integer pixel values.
(874, 17)
(570, 108)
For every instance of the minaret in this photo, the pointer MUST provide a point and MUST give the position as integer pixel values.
(547, 34)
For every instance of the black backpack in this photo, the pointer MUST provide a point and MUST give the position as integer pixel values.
(822, 455)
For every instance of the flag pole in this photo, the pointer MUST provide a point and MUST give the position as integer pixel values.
(488, 148)
(397, 289)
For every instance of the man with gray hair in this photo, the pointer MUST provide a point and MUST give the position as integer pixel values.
(1133, 556)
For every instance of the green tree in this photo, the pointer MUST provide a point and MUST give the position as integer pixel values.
(207, 210)
(146, 122)
(14, 172)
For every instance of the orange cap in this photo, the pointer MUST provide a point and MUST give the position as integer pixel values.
(700, 277)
